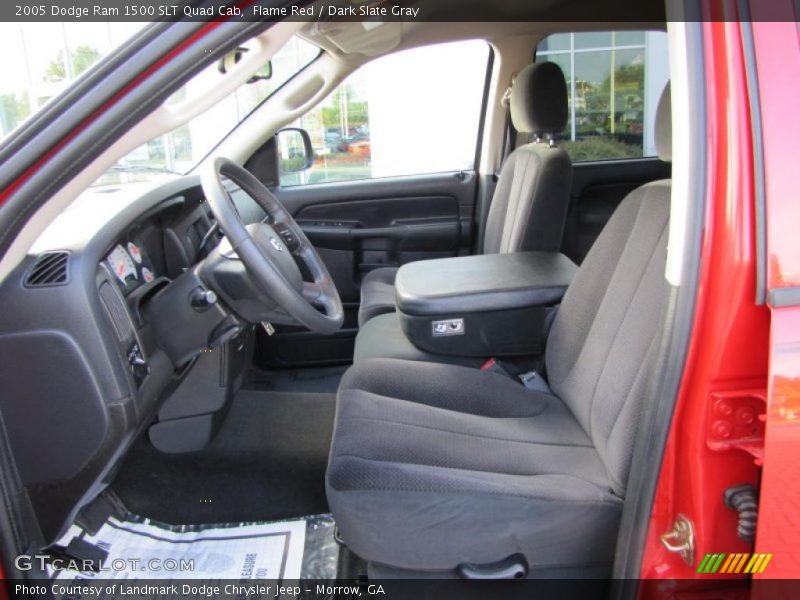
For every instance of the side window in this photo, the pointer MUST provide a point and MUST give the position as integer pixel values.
(614, 80)
(408, 113)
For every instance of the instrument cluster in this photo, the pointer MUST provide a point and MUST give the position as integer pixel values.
(129, 263)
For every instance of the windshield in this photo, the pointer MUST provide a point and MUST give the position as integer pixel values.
(178, 151)
(43, 59)
(53, 55)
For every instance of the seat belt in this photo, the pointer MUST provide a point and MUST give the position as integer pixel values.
(509, 143)
(530, 378)
(509, 131)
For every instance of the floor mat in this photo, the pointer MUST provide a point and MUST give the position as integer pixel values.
(320, 380)
(142, 549)
(267, 463)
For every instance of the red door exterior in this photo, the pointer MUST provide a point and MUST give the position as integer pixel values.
(778, 56)
(738, 413)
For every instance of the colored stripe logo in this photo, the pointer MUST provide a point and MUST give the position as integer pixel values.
(733, 563)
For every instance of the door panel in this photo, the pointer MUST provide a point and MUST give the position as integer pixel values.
(362, 225)
(597, 189)
(384, 222)
(387, 232)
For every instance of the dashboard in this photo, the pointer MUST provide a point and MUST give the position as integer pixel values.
(153, 250)
(161, 244)
(88, 373)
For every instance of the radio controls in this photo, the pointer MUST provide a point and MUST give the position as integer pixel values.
(288, 238)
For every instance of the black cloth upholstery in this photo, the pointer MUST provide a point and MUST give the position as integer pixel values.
(377, 294)
(437, 465)
(457, 465)
(529, 206)
(539, 100)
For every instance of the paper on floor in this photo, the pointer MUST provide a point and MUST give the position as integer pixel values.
(147, 551)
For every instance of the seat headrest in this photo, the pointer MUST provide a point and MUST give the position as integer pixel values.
(663, 126)
(539, 99)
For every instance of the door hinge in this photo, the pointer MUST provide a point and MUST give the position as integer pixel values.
(736, 422)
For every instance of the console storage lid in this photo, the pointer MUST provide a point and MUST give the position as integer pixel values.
(487, 305)
(487, 282)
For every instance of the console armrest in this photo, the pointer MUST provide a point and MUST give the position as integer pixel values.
(485, 305)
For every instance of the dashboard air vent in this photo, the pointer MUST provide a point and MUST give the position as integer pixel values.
(49, 269)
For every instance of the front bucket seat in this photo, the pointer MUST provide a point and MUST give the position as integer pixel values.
(530, 202)
(434, 467)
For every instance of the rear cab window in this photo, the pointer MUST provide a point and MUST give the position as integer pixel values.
(614, 82)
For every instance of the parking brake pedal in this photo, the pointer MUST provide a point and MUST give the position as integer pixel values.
(94, 515)
(513, 567)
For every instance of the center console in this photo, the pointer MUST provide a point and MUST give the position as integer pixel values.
(485, 305)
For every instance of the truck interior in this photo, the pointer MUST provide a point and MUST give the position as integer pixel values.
(458, 359)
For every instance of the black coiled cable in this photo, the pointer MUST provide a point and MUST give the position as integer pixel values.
(744, 500)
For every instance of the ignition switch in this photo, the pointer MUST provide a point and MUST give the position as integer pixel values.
(201, 298)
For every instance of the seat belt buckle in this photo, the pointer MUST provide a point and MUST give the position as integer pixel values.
(492, 366)
(532, 380)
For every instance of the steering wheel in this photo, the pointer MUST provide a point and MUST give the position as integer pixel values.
(268, 251)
